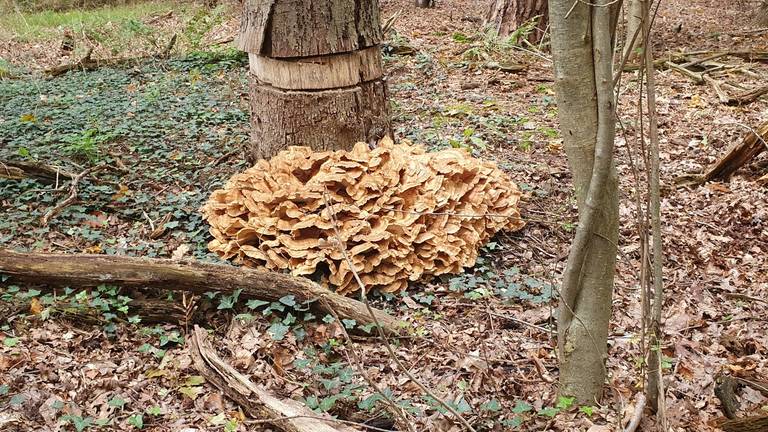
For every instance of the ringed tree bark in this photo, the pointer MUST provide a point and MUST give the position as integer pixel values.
(316, 77)
(582, 49)
(508, 15)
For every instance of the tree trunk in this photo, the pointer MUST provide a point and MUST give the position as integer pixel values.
(508, 15)
(582, 54)
(316, 77)
(635, 32)
(425, 3)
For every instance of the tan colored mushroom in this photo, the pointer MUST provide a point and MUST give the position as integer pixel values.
(402, 214)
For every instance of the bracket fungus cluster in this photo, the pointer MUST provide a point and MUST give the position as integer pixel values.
(402, 214)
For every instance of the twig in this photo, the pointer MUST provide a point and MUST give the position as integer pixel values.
(72, 193)
(361, 369)
(637, 415)
(519, 321)
(390, 22)
(224, 157)
(149, 219)
(364, 299)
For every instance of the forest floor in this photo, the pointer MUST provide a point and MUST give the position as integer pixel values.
(480, 339)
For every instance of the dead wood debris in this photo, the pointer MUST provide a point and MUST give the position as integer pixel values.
(72, 193)
(87, 63)
(286, 414)
(402, 213)
(17, 170)
(192, 276)
(753, 143)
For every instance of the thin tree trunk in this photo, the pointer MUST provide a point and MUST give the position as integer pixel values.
(316, 74)
(634, 28)
(654, 392)
(582, 53)
(508, 15)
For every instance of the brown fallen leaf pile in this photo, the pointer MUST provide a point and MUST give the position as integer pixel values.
(400, 212)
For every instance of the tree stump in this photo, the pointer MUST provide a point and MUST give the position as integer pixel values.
(316, 77)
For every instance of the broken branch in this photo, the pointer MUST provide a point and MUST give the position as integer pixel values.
(287, 414)
(72, 194)
(16, 170)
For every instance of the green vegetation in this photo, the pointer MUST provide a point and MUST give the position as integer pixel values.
(49, 23)
(167, 121)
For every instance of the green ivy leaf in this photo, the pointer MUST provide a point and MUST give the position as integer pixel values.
(549, 412)
(137, 421)
(278, 331)
(253, 303)
(116, 402)
(521, 407)
(491, 405)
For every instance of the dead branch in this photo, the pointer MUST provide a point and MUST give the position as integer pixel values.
(191, 276)
(753, 143)
(637, 415)
(748, 96)
(72, 194)
(256, 402)
(740, 99)
(86, 63)
(693, 76)
(757, 423)
(17, 170)
(721, 95)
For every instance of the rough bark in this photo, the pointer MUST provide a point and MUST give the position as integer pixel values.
(316, 74)
(17, 170)
(322, 120)
(303, 28)
(739, 154)
(581, 50)
(508, 15)
(286, 414)
(164, 274)
(757, 423)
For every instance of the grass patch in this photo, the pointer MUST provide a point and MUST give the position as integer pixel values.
(49, 24)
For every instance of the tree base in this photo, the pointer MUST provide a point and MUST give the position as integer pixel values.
(322, 119)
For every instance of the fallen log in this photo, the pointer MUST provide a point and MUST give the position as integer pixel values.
(758, 423)
(151, 311)
(285, 414)
(196, 277)
(17, 170)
